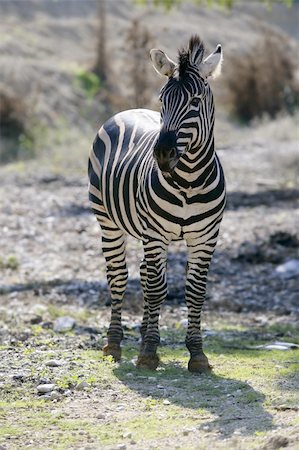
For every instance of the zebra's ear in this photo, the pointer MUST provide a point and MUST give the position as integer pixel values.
(162, 64)
(211, 66)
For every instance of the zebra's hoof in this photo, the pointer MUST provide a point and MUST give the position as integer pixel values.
(199, 364)
(148, 362)
(113, 350)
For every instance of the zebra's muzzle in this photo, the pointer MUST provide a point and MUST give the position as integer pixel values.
(165, 151)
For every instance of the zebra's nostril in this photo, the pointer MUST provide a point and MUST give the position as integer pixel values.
(172, 153)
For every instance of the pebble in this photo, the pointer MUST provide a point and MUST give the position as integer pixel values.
(45, 388)
(63, 324)
(101, 416)
(127, 434)
(289, 269)
(54, 363)
(82, 385)
(159, 386)
(166, 402)
(184, 323)
(54, 395)
(121, 447)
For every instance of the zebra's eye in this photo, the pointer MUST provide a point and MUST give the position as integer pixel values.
(195, 101)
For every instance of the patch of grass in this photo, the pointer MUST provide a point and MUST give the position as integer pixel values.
(245, 383)
(11, 262)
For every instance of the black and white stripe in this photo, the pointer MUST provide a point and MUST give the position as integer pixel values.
(157, 177)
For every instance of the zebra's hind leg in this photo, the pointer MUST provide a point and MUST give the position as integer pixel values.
(113, 244)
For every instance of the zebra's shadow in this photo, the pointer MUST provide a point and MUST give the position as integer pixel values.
(214, 403)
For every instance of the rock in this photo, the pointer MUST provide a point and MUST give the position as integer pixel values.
(289, 269)
(36, 320)
(19, 377)
(44, 380)
(166, 402)
(54, 363)
(183, 323)
(278, 346)
(54, 395)
(276, 442)
(45, 388)
(127, 435)
(121, 447)
(63, 324)
(101, 416)
(82, 385)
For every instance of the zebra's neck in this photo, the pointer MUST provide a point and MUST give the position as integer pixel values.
(195, 166)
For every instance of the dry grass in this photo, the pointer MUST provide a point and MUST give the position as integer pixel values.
(263, 81)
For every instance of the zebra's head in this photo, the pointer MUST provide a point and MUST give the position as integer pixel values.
(187, 112)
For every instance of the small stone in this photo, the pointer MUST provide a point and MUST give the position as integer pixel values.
(159, 386)
(45, 388)
(101, 416)
(54, 363)
(54, 395)
(63, 324)
(186, 432)
(166, 402)
(36, 320)
(19, 377)
(127, 435)
(289, 269)
(121, 446)
(82, 385)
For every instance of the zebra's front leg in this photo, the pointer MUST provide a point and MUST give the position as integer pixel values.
(144, 322)
(199, 258)
(155, 291)
(113, 244)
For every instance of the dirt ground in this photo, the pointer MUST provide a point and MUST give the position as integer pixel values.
(52, 267)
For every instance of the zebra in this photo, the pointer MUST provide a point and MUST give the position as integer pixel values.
(156, 176)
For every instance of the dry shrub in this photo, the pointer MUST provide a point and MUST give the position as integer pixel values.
(263, 81)
(18, 130)
(13, 115)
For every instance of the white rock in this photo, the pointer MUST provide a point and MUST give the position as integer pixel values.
(82, 385)
(63, 324)
(54, 363)
(289, 269)
(166, 402)
(127, 434)
(45, 388)
(184, 323)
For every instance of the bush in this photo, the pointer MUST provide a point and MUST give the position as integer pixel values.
(12, 115)
(17, 128)
(89, 82)
(263, 81)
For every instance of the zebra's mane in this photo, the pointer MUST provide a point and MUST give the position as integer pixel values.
(188, 56)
